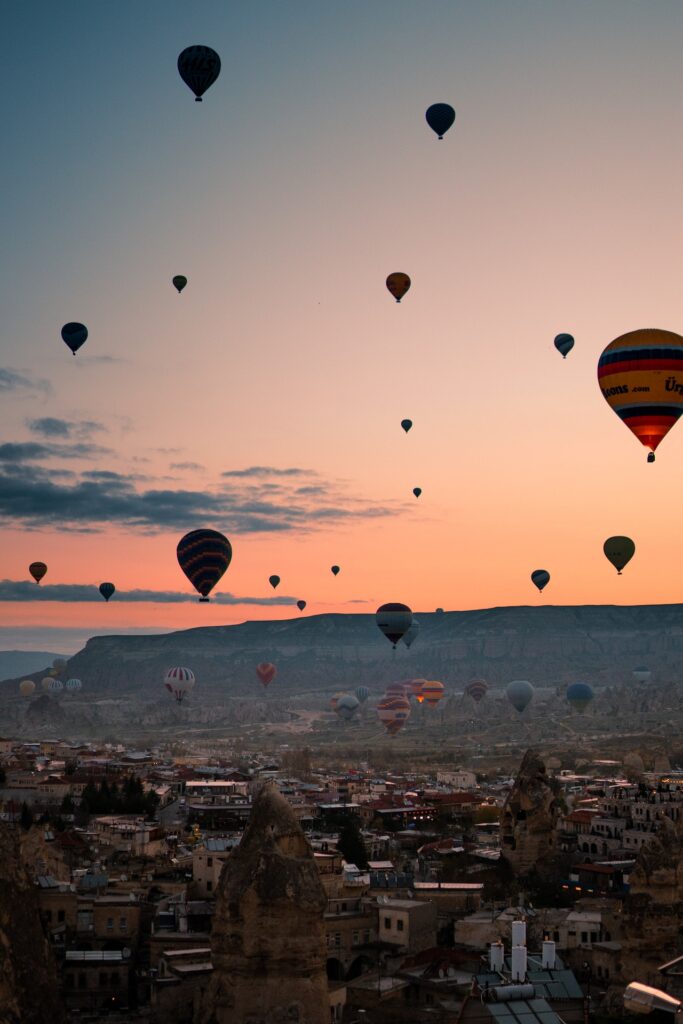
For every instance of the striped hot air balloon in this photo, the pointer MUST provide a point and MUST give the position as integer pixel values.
(74, 685)
(433, 691)
(638, 374)
(362, 693)
(179, 681)
(55, 685)
(46, 682)
(477, 689)
(540, 578)
(393, 713)
(396, 690)
(204, 555)
(266, 672)
(394, 620)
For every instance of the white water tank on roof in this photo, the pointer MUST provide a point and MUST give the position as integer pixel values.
(548, 955)
(519, 933)
(497, 956)
(518, 970)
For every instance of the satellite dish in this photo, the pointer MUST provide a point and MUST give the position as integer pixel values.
(125, 953)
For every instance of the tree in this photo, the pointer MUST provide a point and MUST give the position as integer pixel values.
(26, 818)
(3, 776)
(350, 843)
(67, 805)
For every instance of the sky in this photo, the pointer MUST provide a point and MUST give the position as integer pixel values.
(266, 400)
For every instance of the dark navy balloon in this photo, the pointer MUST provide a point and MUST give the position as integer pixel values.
(274, 581)
(204, 555)
(540, 578)
(199, 67)
(74, 335)
(580, 695)
(335, 570)
(394, 620)
(417, 491)
(564, 343)
(106, 590)
(440, 117)
(301, 605)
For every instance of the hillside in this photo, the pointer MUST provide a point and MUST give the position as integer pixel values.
(22, 663)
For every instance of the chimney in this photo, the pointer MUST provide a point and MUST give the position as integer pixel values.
(497, 956)
(518, 963)
(548, 956)
(519, 933)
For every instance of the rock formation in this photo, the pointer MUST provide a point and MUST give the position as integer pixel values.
(268, 938)
(529, 816)
(29, 991)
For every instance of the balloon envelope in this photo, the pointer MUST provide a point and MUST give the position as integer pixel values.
(417, 491)
(301, 605)
(106, 590)
(37, 570)
(55, 685)
(74, 335)
(179, 681)
(638, 377)
(274, 581)
(394, 620)
(347, 705)
(406, 424)
(540, 578)
(335, 570)
(579, 695)
(519, 692)
(393, 713)
(619, 551)
(440, 117)
(179, 282)
(641, 674)
(266, 672)
(398, 284)
(362, 693)
(73, 684)
(476, 689)
(410, 636)
(204, 555)
(564, 343)
(59, 665)
(27, 687)
(199, 67)
(432, 691)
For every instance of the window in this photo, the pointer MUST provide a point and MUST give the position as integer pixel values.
(69, 981)
(123, 924)
(115, 980)
(556, 936)
(48, 916)
(103, 979)
(337, 939)
(584, 936)
(209, 862)
(82, 980)
(110, 924)
(343, 908)
(399, 924)
(60, 915)
(355, 938)
(387, 923)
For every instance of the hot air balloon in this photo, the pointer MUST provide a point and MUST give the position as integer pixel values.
(619, 551)
(362, 693)
(73, 685)
(395, 690)
(59, 665)
(641, 674)
(398, 284)
(393, 713)
(394, 620)
(440, 117)
(334, 700)
(274, 581)
(414, 689)
(410, 636)
(199, 67)
(26, 687)
(433, 691)
(204, 555)
(477, 689)
(579, 695)
(45, 682)
(637, 374)
(417, 491)
(266, 672)
(519, 692)
(540, 578)
(37, 570)
(564, 343)
(439, 611)
(335, 570)
(406, 424)
(74, 335)
(106, 590)
(347, 705)
(179, 282)
(301, 605)
(55, 685)
(179, 681)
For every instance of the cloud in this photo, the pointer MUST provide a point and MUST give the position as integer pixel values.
(13, 380)
(23, 591)
(50, 426)
(186, 465)
(34, 451)
(266, 471)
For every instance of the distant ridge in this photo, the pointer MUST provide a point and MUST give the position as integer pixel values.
(549, 645)
(21, 663)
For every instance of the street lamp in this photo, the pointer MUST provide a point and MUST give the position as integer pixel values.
(640, 998)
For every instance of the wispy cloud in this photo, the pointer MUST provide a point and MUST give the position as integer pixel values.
(14, 380)
(190, 466)
(23, 591)
(34, 451)
(259, 472)
(51, 426)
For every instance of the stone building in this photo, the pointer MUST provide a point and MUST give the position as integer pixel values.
(268, 938)
(529, 817)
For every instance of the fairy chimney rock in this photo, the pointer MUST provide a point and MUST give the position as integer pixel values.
(529, 817)
(268, 938)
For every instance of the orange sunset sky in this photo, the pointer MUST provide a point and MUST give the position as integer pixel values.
(305, 177)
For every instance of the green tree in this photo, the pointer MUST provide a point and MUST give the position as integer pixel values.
(350, 843)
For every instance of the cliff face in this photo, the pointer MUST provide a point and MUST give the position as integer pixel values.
(268, 938)
(28, 981)
(529, 817)
(605, 642)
